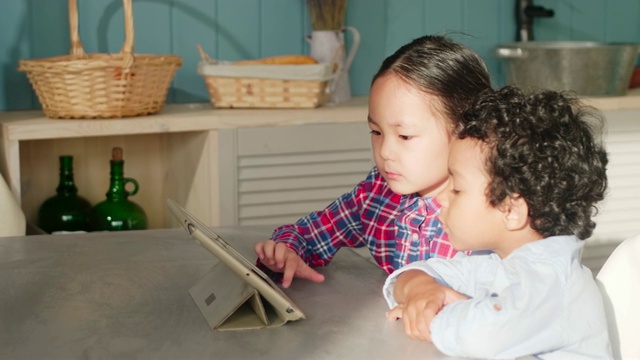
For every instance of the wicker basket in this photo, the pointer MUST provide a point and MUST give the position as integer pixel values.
(83, 85)
(233, 86)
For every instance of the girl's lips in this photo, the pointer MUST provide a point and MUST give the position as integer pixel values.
(393, 176)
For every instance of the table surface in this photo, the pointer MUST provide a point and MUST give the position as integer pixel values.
(125, 295)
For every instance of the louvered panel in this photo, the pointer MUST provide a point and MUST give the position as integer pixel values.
(310, 138)
(623, 181)
(273, 221)
(305, 158)
(287, 171)
(619, 200)
(594, 256)
(258, 185)
(617, 211)
(294, 209)
(614, 230)
(619, 215)
(285, 196)
(294, 196)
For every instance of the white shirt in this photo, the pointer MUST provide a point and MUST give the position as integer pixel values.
(539, 301)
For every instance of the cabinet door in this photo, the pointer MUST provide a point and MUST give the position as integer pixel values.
(276, 175)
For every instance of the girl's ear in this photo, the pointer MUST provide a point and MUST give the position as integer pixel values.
(515, 212)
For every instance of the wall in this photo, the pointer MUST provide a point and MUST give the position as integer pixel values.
(240, 29)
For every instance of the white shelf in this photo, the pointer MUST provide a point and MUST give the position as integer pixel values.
(32, 125)
(172, 154)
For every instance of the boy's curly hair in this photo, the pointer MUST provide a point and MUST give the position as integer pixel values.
(544, 147)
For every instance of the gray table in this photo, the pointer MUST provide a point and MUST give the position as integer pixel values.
(125, 295)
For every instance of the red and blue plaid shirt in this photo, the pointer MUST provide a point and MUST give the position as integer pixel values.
(397, 229)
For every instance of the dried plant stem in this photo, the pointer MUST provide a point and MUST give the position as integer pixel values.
(327, 14)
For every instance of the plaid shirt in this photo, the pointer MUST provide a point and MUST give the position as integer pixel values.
(397, 229)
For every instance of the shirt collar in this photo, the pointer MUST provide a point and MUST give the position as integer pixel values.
(428, 206)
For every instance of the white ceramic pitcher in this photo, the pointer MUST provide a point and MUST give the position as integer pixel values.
(328, 46)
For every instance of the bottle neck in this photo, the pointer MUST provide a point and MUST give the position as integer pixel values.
(66, 185)
(117, 190)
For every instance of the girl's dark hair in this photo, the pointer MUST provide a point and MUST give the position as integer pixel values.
(545, 146)
(440, 67)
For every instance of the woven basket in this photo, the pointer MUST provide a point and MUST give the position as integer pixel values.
(229, 91)
(82, 85)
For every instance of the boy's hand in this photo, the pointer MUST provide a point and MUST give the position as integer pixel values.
(420, 298)
(278, 257)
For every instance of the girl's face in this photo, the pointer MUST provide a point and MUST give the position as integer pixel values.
(410, 139)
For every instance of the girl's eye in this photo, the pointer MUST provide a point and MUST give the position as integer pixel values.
(374, 132)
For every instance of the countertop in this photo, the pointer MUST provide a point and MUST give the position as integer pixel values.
(125, 295)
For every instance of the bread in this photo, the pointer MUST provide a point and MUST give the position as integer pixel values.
(280, 60)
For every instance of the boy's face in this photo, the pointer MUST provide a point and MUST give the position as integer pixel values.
(471, 222)
(410, 140)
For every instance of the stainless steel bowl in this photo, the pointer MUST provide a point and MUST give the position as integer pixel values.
(588, 68)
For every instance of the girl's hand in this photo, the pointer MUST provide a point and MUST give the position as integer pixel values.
(278, 257)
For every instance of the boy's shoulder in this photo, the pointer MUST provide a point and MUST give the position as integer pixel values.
(555, 254)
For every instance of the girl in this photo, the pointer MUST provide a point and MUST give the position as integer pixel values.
(416, 99)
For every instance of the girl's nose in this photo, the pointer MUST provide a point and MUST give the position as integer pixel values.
(386, 149)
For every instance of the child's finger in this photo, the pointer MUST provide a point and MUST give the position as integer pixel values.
(304, 271)
(394, 314)
(289, 271)
(421, 329)
(280, 253)
(259, 250)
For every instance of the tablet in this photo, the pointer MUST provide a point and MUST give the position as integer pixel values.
(245, 270)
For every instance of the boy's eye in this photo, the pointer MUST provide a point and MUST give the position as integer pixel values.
(455, 191)
(405, 137)
(374, 132)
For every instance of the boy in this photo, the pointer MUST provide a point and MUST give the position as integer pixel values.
(525, 174)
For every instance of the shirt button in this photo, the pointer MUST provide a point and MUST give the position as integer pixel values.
(415, 236)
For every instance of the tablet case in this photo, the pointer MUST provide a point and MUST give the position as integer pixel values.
(229, 303)
(234, 294)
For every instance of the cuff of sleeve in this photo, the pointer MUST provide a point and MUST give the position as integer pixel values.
(390, 282)
(282, 235)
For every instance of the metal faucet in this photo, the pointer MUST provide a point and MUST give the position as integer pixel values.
(525, 13)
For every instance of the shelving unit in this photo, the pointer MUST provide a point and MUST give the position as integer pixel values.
(219, 164)
(174, 154)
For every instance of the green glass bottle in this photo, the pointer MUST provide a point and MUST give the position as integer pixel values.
(117, 212)
(65, 211)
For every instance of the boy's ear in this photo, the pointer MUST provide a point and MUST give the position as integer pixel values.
(515, 212)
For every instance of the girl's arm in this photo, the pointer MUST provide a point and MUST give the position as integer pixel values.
(318, 236)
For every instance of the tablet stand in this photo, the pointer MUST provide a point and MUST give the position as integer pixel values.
(229, 303)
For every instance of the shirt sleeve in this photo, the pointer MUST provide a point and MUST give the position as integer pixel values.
(317, 237)
(453, 270)
(515, 321)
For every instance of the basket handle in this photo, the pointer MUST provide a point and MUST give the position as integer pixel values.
(204, 56)
(127, 47)
(76, 44)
